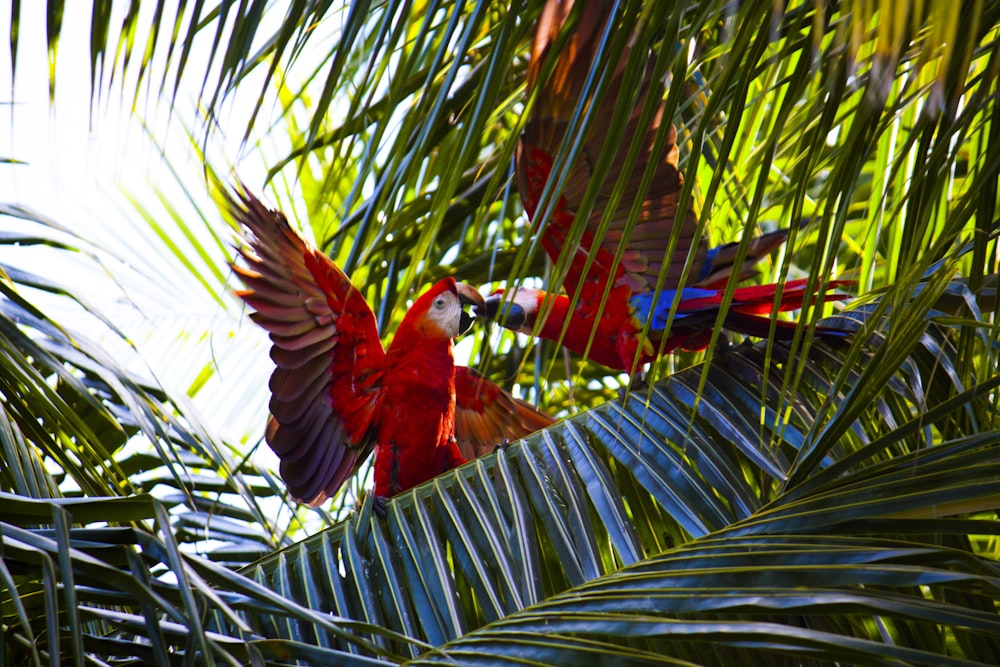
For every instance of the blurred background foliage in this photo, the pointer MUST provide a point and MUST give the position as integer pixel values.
(386, 131)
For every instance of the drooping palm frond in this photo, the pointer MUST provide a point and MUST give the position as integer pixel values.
(658, 525)
(873, 125)
(76, 422)
(794, 504)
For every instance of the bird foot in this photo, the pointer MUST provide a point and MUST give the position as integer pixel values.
(723, 344)
(379, 507)
(501, 445)
(636, 383)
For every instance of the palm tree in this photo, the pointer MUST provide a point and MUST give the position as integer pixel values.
(771, 504)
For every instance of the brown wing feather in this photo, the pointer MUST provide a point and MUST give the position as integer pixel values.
(557, 100)
(487, 416)
(326, 349)
(723, 263)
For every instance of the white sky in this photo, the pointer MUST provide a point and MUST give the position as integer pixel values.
(78, 167)
(79, 164)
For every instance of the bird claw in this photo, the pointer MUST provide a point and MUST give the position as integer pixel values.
(723, 344)
(379, 507)
(635, 383)
(500, 446)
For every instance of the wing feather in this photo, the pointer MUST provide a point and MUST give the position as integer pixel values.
(556, 102)
(487, 416)
(325, 345)
(289, 358)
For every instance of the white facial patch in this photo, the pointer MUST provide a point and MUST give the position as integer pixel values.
(446, 313)
(527, 299)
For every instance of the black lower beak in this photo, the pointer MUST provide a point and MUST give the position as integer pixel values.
(468, 296)
(465, 322)
(511, 317)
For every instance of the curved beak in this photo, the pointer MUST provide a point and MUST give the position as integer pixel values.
(468, 296)
(513, 316)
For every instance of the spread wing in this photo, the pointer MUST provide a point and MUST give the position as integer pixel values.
(487, 416)
(557, 99)
(328, 357)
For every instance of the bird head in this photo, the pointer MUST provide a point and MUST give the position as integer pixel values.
(440, 309)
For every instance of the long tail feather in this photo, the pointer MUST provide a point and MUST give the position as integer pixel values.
(699, 307)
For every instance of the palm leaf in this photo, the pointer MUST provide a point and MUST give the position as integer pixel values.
(676, 542)
(76, 422)
(781, 504)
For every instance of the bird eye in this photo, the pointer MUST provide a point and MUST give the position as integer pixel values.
(439, 302)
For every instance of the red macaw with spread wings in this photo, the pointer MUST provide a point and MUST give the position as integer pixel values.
(611, 334)
(336, 393)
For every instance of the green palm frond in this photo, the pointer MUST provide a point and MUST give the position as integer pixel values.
(78, 423)
(781, 504)
(657, 525)
(817, 113)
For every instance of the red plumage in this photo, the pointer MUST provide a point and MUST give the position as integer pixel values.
(608, 328)
(336, 393)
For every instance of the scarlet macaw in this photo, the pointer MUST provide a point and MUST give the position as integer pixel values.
(336, 394)
(611, 334)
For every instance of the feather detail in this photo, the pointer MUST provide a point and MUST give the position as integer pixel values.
(699, 307)
(326, 349)
(557, 99)
(335, 393)
(487, 416)
(659, 219)
(719, 264)
(296, 358)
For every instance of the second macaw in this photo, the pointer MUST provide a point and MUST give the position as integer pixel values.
(336, 393)
(609, 330)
